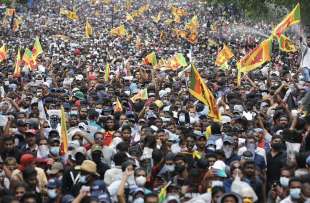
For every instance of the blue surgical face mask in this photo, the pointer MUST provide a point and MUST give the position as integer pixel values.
(284, 181)
(295, 193)
(83, 179)
(54, 151)
(51, 193)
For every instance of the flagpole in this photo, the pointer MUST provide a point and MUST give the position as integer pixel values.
(112, 17)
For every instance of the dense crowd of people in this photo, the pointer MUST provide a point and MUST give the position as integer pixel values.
(164, 148)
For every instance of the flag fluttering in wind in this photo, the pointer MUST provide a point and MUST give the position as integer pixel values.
(142, 94)
(63, 132)
(37, 48)
(3, 53)
(150, 59)
(177, 13)
(28, 58)
(118, 106)
(181, 33)
(224, 56)
(286, 45)
(119, 31)
(192, 25)
(18, 61)
(200, 91)
(72, 15)
(257, 57)
(157, 18)
(291, 19)
(107, 72)
(88, 29)
(163, 193)
(129, 17)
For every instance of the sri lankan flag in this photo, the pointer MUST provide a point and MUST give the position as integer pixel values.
(292, 18)
(119, 31)
(107, 72)
(142, 94)
(37, 48)
(72, 15)
(17, 70)
(88, 29)
(63, 133)
(150, 59)
(28, 58)
(118, 106)
(200, 91)
(224, 56)
(257, 57)
(192, 25)
(157, 18)
(286, 45)
(3, 53)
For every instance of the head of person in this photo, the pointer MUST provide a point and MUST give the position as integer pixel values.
(20, 190)
(126, 133)
(140, 177)
(53, 188)
(88, 172)
(96, 153)
(119, 158)
(295, 185)
(54, 143)
(216, 193)
(151, 198)
(230, 198)
(29, 198)
(228, 146)
(8, 143)
(249, 168)
(276, 143)
(10, 163)
(285, 176)
(180, 163)
(30, 177)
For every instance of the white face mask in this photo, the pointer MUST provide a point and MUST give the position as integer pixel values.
(217, 183)
(131, 180)
(51, 193)
(169, 168)
(140, 181)
(139, 200)
(228, 150)
(43, 151)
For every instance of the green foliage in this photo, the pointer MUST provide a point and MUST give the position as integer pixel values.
(7, 2)
(259, 9)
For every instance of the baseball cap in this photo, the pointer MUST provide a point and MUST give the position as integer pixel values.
(95, 148)
(228, 139)
(53, 183)
(56, 167)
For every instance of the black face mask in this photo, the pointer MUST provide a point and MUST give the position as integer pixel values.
(179, 168)
(276, 146)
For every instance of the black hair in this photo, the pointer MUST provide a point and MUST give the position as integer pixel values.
(29, 195)
(8, 138)
(119, 158)
(29, 172)
(217, 189)
(295, 179)
(122, 147)
(126, 127)
(157, 155)
(215, 128)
